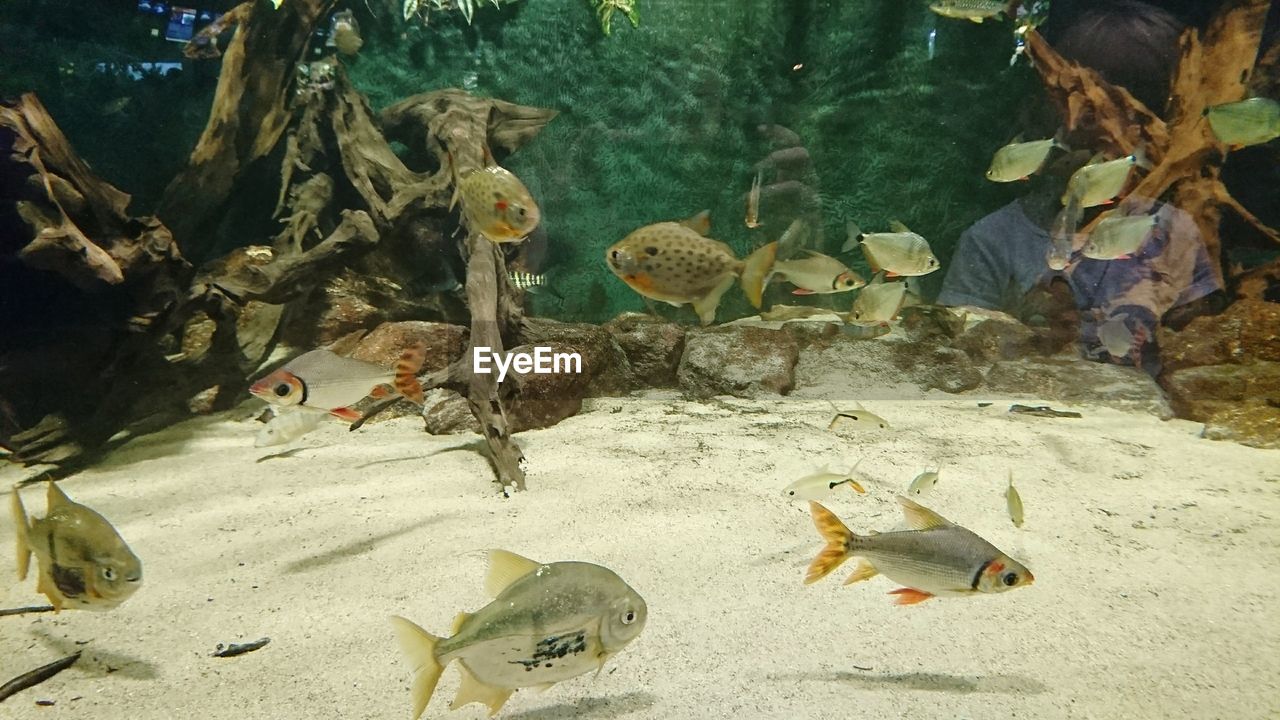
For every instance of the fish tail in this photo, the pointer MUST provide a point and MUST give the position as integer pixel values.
(420, 647)
(838, 538)
(407, 369)
(755, 271)
(853, 236)
(24, 544)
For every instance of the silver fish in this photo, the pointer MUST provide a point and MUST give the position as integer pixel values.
(1019, 160)
(1014, 502)
(898, 253)
(817, 274)
(923, 483)
(877, 302)
(547, 623)
(285, 427)
(1249, 122)
(1118, 236)
(821, 485)
(1115, 336)
(1100, 182)
(323, 380)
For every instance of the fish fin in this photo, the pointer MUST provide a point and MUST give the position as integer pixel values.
(458, 622)
(920, 517)
(755, 271)
(909, 596)
(706, 305)
(857, 486)
(897, 226)
(871, 260)
(837, 549)
(407, 369)
(379, 392)
(504, 569)
(345, 414)
(864, 571)
(420, 647)
(472, 690)
(853, 235)
(802, 291)
(24, 544)
(1140, 158)
(453, 174)
(700, 223)
(56, 497)
(489, 161)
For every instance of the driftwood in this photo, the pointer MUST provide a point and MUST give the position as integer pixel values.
(1187, 158)
(35, 677)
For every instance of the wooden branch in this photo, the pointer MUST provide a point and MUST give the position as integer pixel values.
(27, 610)
(37, 676)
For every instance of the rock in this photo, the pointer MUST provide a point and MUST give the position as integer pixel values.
(1075, 380)
(1248, 330)
(1253, 423)
(993, 340)
(605, 368)
(1235, 402)
(445, 412)
(651, 345)
(811, 332)
(936, 367)
(737, 360)
(358, 301)
(443, 343)
(544, 399)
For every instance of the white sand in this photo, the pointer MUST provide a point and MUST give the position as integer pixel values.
(1154, 551)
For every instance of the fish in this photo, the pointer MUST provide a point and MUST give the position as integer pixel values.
(497, 205)
(346, 34)
(547, 623)
(923, 483)
(821, 485)
(879, 301)
(1062, 234)
(795, 312)
(816, 274)
(1020, 160)
(753, 201)
(323, 380)
(1014, 502)
(675, 263)
(898, 253)
(1098, 183)
(1115, 336)
(860, 418)
(1248, 122)
(972, 10)
(865, 331)
(287, 426)
(83, 562)
(934, 558)
(1043, 411)
(1118, 236)
(526, 281)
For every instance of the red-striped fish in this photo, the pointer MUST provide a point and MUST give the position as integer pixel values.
(323, 380)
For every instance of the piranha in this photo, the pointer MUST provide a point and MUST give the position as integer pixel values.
(676, 263)
(497, 205)
(547, 623)
(972, 10)
(934, 558)
(83, 562)
(898, 253)
(1020, 160)
(1249, 122)
(323, 380)
(1118, 236)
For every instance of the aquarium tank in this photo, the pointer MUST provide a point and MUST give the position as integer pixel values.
(657, 359)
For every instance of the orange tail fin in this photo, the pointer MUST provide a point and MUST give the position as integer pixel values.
(407, 368)
(837, 549)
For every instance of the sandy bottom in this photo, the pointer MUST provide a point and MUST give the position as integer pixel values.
(1155, 555)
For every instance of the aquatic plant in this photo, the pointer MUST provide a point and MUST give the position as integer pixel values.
(422, 10)
(606, 8)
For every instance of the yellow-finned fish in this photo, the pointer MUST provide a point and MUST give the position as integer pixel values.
(323, 380)
(675, 263)
(1118, 236)
(547, 623)
(83, 563)
(1249, 122)
(898, 253)
(1019, 160)
(972, 10)
(1014, 502)
(934, 558)
(497, 205)
(816, 274)
(879, 301)
(1099, 183)
(753, 201)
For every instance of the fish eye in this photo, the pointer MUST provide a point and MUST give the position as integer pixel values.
(628, 617)
(1010, 579)
(108, 574)
(282, 389)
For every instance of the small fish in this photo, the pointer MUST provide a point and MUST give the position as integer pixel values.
(1248, 122)
(1062, 234)
(497, 205)
(821, 485)
(934, 558)
(1115, 336)
(900, 252)
(923, 483)
(972, 10)
(865, 331)
(323, 380)
(1118, 236)
(675, 263)
(346, 34)
(83, 562)
(877, 302)
(1014, 502)
(859, 418)
(547, 623)
(1019, 160)
(285, 427)
(1043, 411)
(795, 312)
(1099, 183)
(526, 281)
(816, 274)
(753, 201)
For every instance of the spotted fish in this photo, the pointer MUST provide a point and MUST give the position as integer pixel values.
(497, 205)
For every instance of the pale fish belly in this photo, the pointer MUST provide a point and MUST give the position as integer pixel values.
(520, 661)
(341, 393)
(932, 578)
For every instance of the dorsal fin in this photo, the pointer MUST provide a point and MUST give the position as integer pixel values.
(920, 517)
(504, 569)
(700, 223)
(897, 226)
(56, 496)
